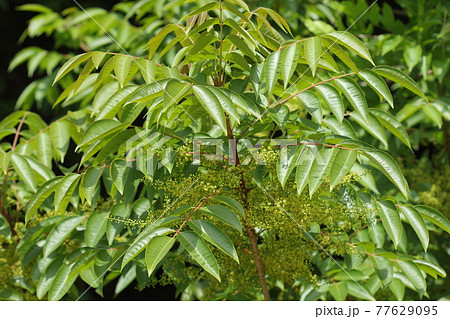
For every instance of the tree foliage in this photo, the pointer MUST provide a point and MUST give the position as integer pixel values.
(289, 207)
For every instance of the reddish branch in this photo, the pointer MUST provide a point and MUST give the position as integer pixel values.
(193, 212)
(16, 136)
(446, 139)
(291, 97)
(46, 128)
(5, 180)
(259, 264)
(311, 86)
(250, 230)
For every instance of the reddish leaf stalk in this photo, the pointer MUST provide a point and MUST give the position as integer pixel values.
(5, 179)
(193, 212)
(250, 230)
(290, 97)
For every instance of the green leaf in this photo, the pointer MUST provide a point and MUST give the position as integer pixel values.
(312, 294)
(313, 48)
(119, 172)
(100, 129)
(60, 135)
(333, 99)
(431, 268)
(44, 148)
(340, 53)
(125, 279)
(304, 164)
(358, 291)
(95, 228)
(104, 75)
(201, 253)
(289, 60)
(95, 147)
(174, 92)
(412, 272)
(398, 288)
(142, 241)
(156, 250)
(23, 169)
(280, 115)
(208, 7)
(61, 231)
(121, 64)
(225, 102)
(115, 102)
(10, 295)
(434, 216)
(231, 7)
(43, 171)
(286, 163)
(215, 236)
(87, 69)
(377, 84)
(389, 167)
(51, 61)
(417, 223)
(89, 182)
(48, 277)
(35, 61)
(238, 29)
(339, 291)
(4, 161)
(71, 64)
(22, 56)
(343, 129)
(231, 202)
(278, 19)
(371, 125)
(205, 25)
(399, 77)
(40, 196)
(365, 178)
(392, 124)
(412, 55)
(391, 221)
(155, 42)
(97, 58)
(148, 70)
(114, 145)
(223, 214)
(312, 104)
(141, 206)
(115, 225)
(351, 42)
(342, 164)
(376, 233)
(62, 283)
(354, 95)
(211, 105)
(242, 45)
(202, 43)
(433, 114)
(383, 268)
(271, 70)
(65, 190)
(320, 168)
(243, 102)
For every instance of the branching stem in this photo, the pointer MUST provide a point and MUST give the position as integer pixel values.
(250, 230)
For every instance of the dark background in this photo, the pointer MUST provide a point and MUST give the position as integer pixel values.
(12, 25)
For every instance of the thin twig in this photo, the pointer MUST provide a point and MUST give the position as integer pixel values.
(193, 212)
